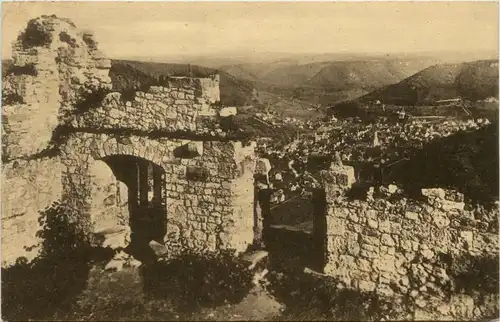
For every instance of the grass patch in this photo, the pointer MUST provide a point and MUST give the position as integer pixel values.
(307, 297)
(195, 281)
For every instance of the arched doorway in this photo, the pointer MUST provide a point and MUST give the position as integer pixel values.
(145, 181)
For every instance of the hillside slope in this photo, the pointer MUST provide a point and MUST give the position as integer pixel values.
(338, 75)
(292, 74)
(472, 81)
(364, 74)
(327, 82)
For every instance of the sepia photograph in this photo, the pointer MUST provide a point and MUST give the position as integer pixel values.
(250, 161)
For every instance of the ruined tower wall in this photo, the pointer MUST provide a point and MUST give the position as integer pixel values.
(53, 64)
(240, 232)
(206, 208)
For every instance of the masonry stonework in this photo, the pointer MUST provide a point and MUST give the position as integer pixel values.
(27, 188)
(62, 126)
(398, 247)
(174, 106)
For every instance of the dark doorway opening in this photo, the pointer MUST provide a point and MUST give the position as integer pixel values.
(145, 181)
(295, 230)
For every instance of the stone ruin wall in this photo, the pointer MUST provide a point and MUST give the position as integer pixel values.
(53, 63)
(395, 246)
(27, 188)
(202, 212)
(38, 170)
(48, 77)
(173, 106)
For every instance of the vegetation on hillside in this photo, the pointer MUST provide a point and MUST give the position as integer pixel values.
(6, 64)
(466, 161)
(471, 81)
(326, 82)
(337, 75)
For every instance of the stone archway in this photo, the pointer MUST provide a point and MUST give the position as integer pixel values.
(146, 195)
(128, 194)
(208, 203)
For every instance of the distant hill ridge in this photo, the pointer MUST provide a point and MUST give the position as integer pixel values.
(335, 75)
(327, 82)
(473, 81)
(412, 81)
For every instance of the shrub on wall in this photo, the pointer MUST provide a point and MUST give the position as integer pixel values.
(465, 161)
(476, 274)
(58, 274)
(65, 37)
(91, 100)
(35, 35)
(28, 69)
(12, 99)
(55, 277)
(90, 41)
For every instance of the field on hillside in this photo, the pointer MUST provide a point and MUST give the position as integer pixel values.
(287, 107)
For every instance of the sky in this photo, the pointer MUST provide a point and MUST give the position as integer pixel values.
(135, 29)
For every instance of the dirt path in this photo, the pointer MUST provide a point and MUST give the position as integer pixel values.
(110, 295)
(259, 305)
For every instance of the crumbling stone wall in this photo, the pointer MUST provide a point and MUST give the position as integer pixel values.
(401, 248)
(208, 213)
(60, 119)
(240, 234)
(28, 187)
(53, 64)
(175, 106)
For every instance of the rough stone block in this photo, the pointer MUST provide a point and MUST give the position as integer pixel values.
(227, 111)
(434, 193)
(384, 291)
(197, 173)
(336, 226)
(370, 240)
(159, 249)
(255, 257)
(366, 286)
(454, 196)
(452, 205)
(386, 263)
(440, 219)
(411, 215)
(372, 223)
(115, 237)
(387, 240)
